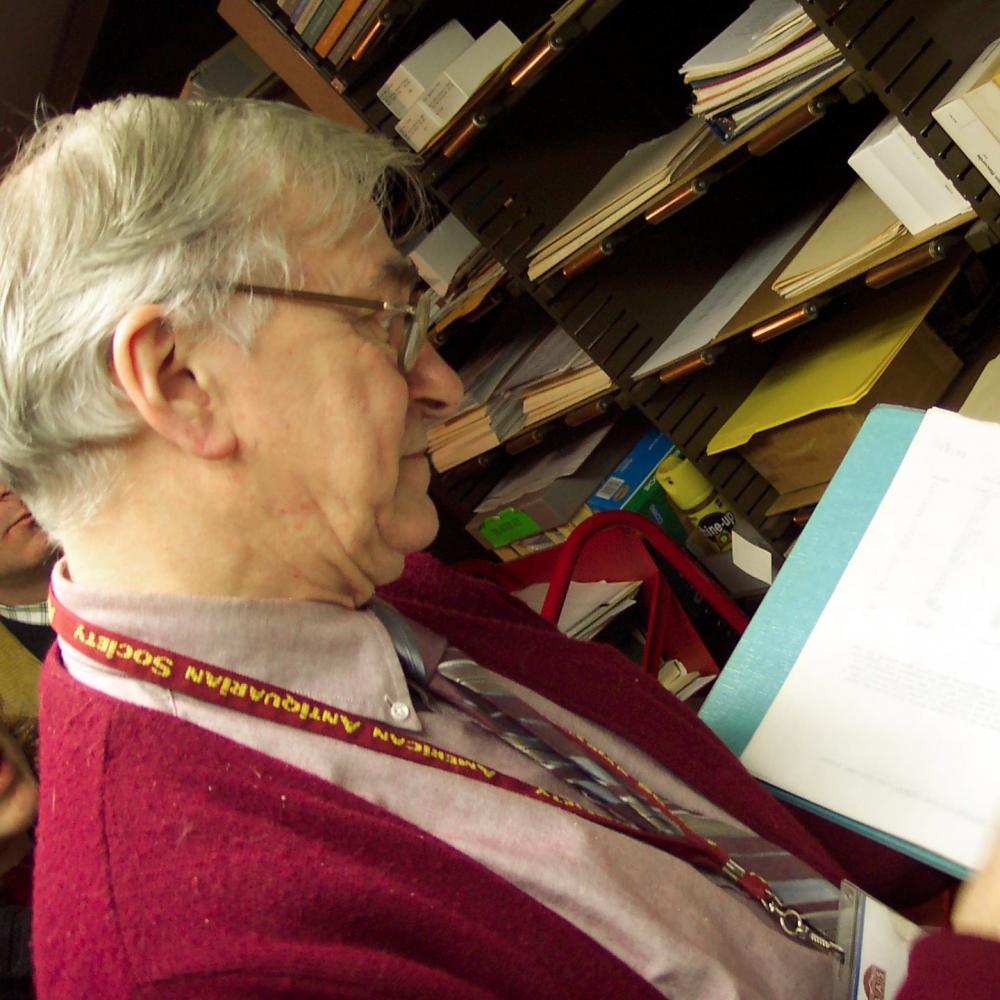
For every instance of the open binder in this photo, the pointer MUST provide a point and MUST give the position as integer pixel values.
(864, 688)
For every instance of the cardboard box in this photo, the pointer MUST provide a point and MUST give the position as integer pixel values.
(420, 68)
(634, 470)
(970, 113)
(455, 84)
(796, 425)
(439, 255)
(906, 179)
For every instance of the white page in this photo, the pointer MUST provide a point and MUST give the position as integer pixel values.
(582, 599)
(742, 42)
(542, 471)
(891, 714)
(728, 294)
(639, 172)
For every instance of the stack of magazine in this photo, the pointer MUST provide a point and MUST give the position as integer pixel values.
(764, 60)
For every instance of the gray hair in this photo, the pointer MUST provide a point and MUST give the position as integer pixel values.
(146, 199)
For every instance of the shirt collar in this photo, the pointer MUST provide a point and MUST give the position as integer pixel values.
(326, 652)
(29, 614)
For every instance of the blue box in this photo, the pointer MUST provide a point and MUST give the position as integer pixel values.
(631, 473)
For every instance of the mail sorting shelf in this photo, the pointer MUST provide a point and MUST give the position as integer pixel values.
(518, 181)
(911, 52)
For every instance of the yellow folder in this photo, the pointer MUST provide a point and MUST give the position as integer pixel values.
(836, 364)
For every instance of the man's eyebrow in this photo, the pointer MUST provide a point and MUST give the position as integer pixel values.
(400, 272)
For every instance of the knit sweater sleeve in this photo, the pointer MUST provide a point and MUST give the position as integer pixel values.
(957, 966)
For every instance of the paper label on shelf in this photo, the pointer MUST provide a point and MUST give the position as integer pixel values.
(752, 559)
(508, 526)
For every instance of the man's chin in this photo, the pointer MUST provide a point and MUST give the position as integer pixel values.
(413, 532)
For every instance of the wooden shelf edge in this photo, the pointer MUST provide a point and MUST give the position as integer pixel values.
(256, 29)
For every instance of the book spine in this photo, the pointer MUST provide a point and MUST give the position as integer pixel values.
(336, 27)
(296, 9)
(306, 14)
(352, 33)
(322, 18)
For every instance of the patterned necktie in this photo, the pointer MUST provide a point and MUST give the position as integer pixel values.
(480, 694)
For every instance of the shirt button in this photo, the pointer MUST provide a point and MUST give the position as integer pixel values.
(399, 711)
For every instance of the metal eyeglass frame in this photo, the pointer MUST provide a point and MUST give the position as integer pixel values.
(415, 325)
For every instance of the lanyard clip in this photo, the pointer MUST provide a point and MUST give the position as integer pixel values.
(796, 926)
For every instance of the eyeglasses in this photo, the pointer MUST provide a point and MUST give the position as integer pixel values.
(417, 314)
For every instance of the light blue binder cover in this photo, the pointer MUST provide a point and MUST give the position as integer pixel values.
(778, 630)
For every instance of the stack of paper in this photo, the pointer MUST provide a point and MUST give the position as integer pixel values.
(859, 228)
(726, 297)
(588, 607)
(906, 178)
(639, 176)
(515, 384)
(766, 58)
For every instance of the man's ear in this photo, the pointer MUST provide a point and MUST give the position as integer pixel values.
(152, 366)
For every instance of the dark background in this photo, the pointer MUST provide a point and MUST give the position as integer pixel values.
(72, 53)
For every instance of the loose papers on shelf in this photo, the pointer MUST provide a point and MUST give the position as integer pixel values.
(641, 174)
(729, 293)
(766, 58)
(542, 472)
(858, 227)
(762, 31)
(514, 385)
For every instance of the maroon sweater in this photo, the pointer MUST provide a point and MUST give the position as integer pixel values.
(175, 863)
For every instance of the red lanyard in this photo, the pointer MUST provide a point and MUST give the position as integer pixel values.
(218, 686)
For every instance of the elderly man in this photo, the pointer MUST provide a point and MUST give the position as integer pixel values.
(258, 778)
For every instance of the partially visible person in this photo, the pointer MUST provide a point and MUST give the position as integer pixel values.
(18, 809)
(26, 558)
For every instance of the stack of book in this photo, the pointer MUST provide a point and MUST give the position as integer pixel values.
(513, 385)
(769, 56)
(333, 28)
